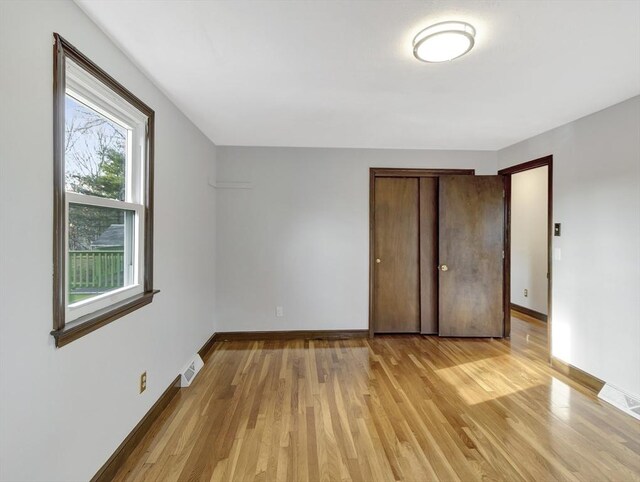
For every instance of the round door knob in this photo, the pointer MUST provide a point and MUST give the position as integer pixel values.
(378, 260)
(444, 267)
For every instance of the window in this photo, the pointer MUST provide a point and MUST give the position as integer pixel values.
(103, 185)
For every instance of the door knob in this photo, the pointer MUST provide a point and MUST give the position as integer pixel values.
(444, 267)
(378, 260)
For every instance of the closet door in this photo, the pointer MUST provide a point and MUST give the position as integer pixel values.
(471, 232)
(396, 284)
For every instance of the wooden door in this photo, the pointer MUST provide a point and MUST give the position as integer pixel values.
(471, 234)
(396, 287)
(429, 255)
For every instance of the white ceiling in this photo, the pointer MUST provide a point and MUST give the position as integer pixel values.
(342, 74)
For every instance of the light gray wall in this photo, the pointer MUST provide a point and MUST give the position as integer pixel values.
(529, 239)
(596, 273)
(300, 237)
(64, 411)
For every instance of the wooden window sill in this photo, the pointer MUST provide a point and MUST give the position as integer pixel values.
(86, 324)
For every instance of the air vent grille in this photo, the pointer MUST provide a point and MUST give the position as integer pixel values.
(188, 374)
(632, 402)
(191, 370)
(625, 402)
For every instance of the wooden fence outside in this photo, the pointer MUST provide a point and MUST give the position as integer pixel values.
(100, 270)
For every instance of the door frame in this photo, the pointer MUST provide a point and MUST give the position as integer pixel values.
(375, 172)
(507, 173)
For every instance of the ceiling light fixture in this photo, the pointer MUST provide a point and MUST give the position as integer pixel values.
(444, 41)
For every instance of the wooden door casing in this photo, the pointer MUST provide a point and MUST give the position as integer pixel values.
(507, 173)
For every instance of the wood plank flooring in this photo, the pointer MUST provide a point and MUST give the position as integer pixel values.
(392, 408)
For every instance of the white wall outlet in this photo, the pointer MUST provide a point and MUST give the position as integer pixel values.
(526, 293)
(279, 311)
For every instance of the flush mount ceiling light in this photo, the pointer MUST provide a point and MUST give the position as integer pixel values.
(444, 41)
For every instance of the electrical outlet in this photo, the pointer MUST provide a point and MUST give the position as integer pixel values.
(279, 311)
(526, 293)
(143, 382)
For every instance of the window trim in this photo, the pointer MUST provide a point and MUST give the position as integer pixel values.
(64, 332)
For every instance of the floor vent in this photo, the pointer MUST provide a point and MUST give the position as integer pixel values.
(191, 370)
(621, 400)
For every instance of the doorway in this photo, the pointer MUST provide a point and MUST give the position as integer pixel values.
(524, 276)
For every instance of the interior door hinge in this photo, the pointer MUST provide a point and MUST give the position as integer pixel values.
(503, 254)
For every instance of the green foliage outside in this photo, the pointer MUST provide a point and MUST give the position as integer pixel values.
(96, 166)
(87, 223)
(108, 181)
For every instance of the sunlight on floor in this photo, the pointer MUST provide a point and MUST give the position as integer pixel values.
(476, 381)
(560, 400)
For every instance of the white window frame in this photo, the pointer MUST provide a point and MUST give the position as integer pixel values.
(88, 90)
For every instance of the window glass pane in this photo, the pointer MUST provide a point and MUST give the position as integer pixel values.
(100, 256)
(95, 152)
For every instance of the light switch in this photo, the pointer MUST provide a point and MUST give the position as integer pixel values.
(556, 229)
(557, 254)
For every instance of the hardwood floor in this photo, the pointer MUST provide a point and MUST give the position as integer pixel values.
(406, 408)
